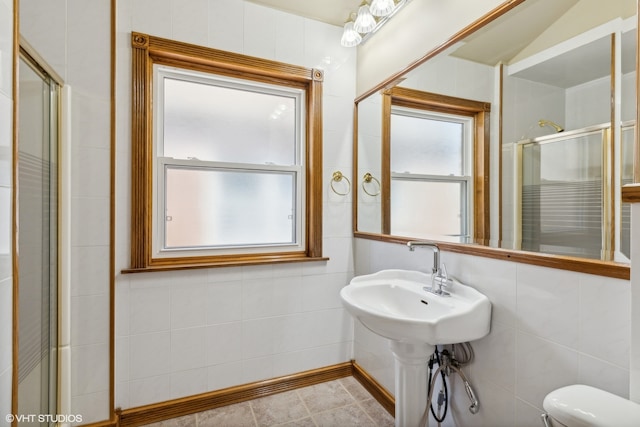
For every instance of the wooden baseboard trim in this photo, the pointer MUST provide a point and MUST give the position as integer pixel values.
(376, 390)
(211, 400)
(203, 402)
(107, 423)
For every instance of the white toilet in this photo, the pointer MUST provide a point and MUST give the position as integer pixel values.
(585, 406)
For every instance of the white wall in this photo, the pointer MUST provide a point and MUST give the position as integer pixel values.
(635, 303)
(549, 328)
(186, 332)
(6, 150)
(73, 37)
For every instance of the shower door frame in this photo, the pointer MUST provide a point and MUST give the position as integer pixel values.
(607, 222)
(25, 52)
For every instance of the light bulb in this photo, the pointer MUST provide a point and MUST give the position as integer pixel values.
(365, 22)
(350, 37)
(382, 7)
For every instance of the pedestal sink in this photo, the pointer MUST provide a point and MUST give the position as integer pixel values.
(393, 304)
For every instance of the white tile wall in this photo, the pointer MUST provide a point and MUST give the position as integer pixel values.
(549, 328)
(188, 21)
(5, 396)
(634, 386)
(588, 104)
(530, 102)
(45, 25)
(6, 49)
(183, 333)
(73, 36)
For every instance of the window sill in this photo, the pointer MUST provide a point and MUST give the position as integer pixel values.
(236, 262)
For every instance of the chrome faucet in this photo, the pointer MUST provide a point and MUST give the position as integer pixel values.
(439, 276)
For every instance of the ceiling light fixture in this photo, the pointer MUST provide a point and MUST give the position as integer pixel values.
(370, 17)
(350, 37)
(365, 22)
(382, 7)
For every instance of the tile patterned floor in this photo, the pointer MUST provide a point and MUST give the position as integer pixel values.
(342, 402)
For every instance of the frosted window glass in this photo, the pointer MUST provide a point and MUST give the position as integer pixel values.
(421, 145)
(439, 211)
(217, 123)
(212, 207)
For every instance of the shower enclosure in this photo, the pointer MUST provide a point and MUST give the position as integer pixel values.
(37, 253)
(565, 193)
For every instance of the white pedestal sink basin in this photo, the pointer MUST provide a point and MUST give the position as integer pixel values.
(393, 304)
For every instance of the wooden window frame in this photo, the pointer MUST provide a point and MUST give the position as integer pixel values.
(480, 111)
(148, 51)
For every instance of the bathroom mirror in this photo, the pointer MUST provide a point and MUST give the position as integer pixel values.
(556, 74)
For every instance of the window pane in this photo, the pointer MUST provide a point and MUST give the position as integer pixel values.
(212, 208)
(427, 209)
(421, 145)
(224, 124)
(562, 197)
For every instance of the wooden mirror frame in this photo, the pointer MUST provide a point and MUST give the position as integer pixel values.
(590, 266)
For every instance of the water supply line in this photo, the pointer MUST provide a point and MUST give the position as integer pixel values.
(447, 363)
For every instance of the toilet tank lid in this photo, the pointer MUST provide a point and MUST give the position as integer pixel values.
(583, 405)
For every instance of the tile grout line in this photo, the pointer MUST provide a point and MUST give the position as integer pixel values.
(366, 413)
(253, 414)
(358, 403)
(305, 407)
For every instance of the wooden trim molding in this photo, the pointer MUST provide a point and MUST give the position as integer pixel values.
(600, 268)
(14, 212)
(385, 173)
(374, 388)
(113, 422)
(148, 50)
(609, 166)
(112, 214)
(202, 402)
(631, 193)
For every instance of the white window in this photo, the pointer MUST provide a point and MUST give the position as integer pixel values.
(229, 165)
(431, 174)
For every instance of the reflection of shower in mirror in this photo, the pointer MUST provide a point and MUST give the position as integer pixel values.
(549, 123)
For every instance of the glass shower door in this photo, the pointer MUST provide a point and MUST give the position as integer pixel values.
(37, 252)
(563, 196)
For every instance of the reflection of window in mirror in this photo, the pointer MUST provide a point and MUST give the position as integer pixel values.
(429, 156)
(434, 178)
(226, 155)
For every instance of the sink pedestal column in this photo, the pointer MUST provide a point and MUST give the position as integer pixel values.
(411, 373)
